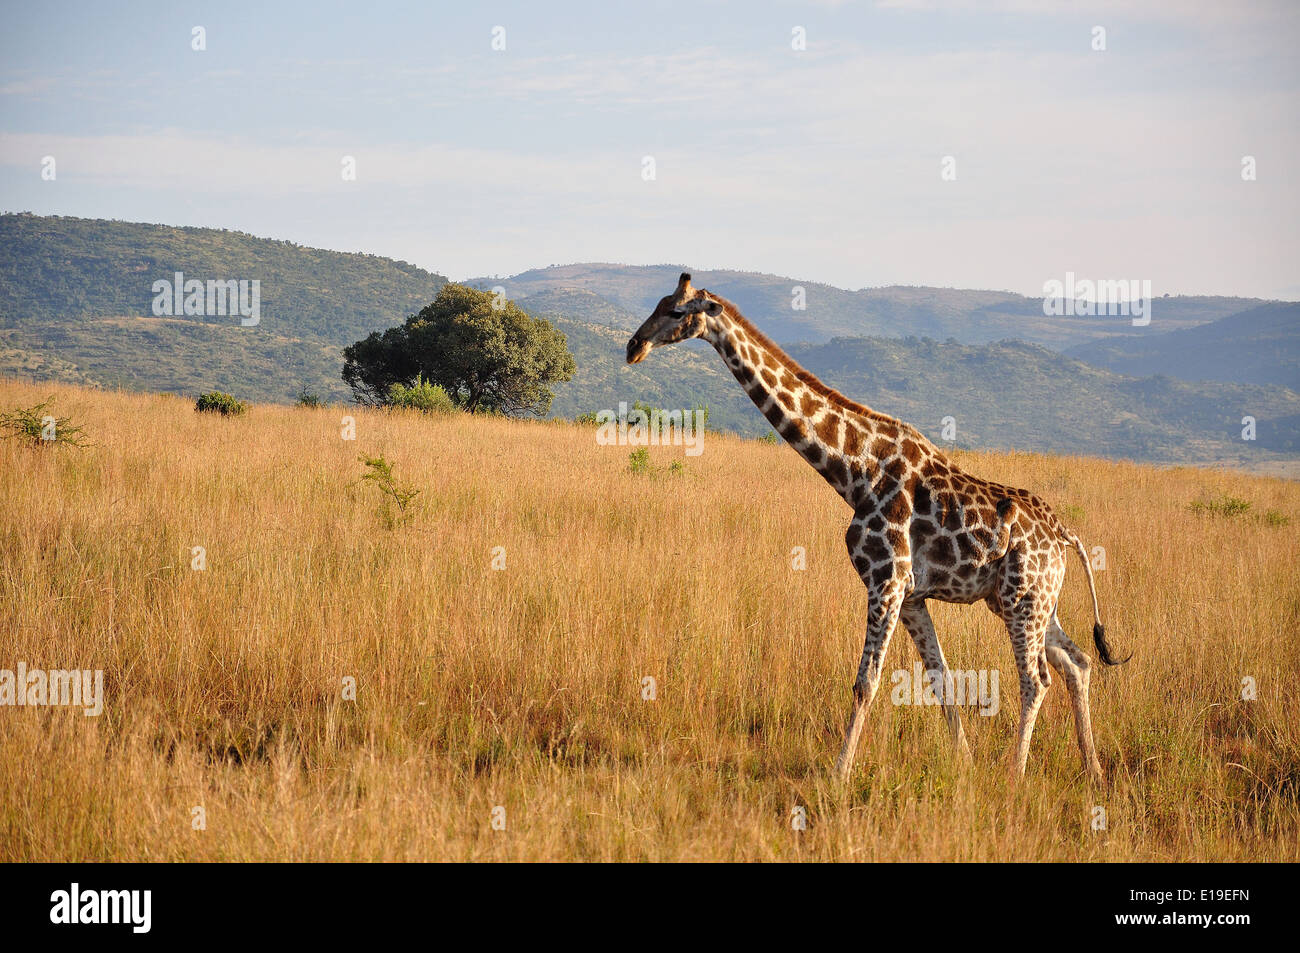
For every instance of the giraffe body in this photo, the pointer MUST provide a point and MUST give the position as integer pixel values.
(921, 528)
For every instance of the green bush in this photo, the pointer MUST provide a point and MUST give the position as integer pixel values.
(1233, 507)
(638, 461)
(1228, 506)
(659, 416)
(702, 411)
(217, 402)
(40, 427)
(589, 419)
(422, 396)
(650, 412)
(307, 399)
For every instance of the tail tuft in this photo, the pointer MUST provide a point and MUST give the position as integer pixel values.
(1099, 637)
(1098, 630)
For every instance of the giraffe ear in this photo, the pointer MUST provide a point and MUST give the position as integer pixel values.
(712, 308)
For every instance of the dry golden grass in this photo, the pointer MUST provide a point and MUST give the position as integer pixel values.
(522, 687)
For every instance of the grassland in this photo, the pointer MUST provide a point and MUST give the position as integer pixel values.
(522, 687)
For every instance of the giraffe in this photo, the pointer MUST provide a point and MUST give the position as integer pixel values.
(921, 529)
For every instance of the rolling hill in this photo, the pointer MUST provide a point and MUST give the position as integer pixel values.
(76, 304)
(1004, 395)
(76, 295)
(1259, 346)
(969, 317)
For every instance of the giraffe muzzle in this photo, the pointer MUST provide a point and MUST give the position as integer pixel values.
(637, 349)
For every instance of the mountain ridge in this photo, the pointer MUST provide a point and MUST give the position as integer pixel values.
(75, 305)
(1004, 395)
(971, 316)
(1261, 345)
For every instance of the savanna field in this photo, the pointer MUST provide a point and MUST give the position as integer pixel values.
(522, 687)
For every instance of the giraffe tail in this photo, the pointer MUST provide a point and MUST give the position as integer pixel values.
(1098, 630)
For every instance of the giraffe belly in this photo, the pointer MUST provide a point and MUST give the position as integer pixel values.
(963, 584)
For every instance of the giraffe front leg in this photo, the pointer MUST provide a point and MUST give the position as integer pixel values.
(880, 626)
(916, 619)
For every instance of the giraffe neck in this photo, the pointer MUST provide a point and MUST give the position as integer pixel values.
(843, 441)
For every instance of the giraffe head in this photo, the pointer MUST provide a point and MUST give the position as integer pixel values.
(678, 316)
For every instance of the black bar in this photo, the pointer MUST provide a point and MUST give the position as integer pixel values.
(330, 902)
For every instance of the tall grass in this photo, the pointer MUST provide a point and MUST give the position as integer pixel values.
(523, 686)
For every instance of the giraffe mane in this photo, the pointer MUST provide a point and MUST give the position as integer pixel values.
(811, 381)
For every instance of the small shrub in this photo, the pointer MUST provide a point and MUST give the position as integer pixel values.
(1228, 506)
(422, 396)
(40, 427)
(588, 419)
(651, 413)
(638, 461)
(307, 399)
(1071, 513)
(769, 437)
(702, 416)
(699, 413)
(219, 403)
(395, 499)
(1232, 507)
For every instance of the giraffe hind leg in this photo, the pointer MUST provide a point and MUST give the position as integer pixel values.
(1073, 665)
(1027, 625)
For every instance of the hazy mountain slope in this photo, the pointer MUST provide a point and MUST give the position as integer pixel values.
(176, 356)
(75, 306)
(1016, 395)
(583, 306)
(679, 377)
(76, 301)
(971, 317)
(1066, 409)
(57, 270)
(1008, 394)
(1260, 346)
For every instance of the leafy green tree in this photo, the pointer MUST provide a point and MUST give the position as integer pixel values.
(487, 358)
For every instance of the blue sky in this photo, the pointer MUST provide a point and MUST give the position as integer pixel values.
(823, 164)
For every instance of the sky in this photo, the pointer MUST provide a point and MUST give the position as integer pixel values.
(951, 142)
